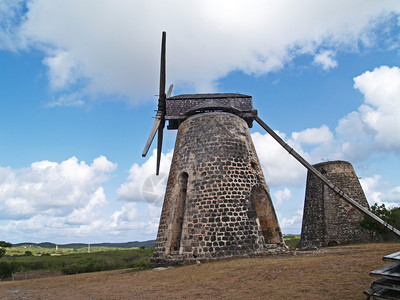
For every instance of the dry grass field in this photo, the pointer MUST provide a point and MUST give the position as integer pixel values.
(331, 273)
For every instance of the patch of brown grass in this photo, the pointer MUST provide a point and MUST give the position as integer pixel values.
(333, 273)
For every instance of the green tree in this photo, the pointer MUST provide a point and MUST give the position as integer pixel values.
(391, 216)
(28, 253)
(6, 269)
(4, 245)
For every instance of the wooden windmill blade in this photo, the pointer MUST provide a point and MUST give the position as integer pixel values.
(334, 188)
(159, 122)
(161, 103)
(152, 134)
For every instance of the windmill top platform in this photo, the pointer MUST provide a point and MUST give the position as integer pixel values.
(179, 108)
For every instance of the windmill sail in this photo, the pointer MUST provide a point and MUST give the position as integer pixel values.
(159, 122)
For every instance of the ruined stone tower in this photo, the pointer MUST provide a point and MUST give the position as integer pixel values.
(327, 218)
(217, 203)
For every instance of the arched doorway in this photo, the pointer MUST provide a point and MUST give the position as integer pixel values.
(178, 215)
(266, 216)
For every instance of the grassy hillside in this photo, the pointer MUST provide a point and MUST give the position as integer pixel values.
(48, 245)
(38, 250)
(37, 266)
(45, 259)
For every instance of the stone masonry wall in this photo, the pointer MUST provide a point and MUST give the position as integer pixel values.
(328, 219)
(214, 181)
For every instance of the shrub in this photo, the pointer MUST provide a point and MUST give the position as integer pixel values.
(86, 266)
(142, 264)
(391, 216)
(32, 265)
(292, 243)
(7, 269)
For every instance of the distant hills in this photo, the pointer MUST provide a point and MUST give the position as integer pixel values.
(48, 245)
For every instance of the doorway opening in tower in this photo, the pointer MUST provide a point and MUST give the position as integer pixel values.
(179, 213)
(266, 216)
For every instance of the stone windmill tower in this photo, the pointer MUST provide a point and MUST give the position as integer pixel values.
(328, 220)
(217, 203)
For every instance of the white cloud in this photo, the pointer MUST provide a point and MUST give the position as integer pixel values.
(128, 213)
(71, 99)
(115, 48)
(54, 189)
(381, 193)
(64, 202)
(281, 196)
(313, 136)
(293, 223)
(143, 184)
(279, 167)
(127, 223)
(380, 114)
(373, 125)
(10, 11)
(369, 185)
(326, 59)
(381, 87)
(62, 70)
(87, 214)
(128, 219)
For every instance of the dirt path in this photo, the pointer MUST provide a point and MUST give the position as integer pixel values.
(336, 273)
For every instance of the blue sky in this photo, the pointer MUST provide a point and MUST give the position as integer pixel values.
(77, 86)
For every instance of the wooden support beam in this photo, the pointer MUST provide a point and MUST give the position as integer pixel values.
(334, 188)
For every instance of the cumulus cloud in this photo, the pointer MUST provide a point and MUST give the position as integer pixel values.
(379, 115)
(326, 59)
(142, 183)
(62, 70)
(126, 223)
(70, 188)
(380, 192)
(293, 223)
(128, 219)
(65, 202)
(313, 136)
(279, 167)
(86, 214)
(57, 200)
(371, 127)
(114, 49)
(281, 196)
